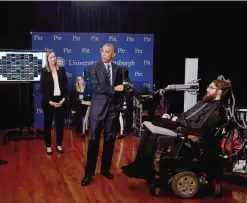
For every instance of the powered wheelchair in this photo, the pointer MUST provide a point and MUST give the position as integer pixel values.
(202, 160)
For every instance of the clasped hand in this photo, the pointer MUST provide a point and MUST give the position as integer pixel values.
(55, 104)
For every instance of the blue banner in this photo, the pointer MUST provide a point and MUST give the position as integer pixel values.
(79, 50)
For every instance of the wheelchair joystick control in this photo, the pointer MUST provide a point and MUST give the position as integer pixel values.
(203, 180)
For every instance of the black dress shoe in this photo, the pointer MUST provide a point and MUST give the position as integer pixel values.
(119, 136)
(3, 162)
(131, 166)
(134, 171)
(59, 150)
(107, 175)
(86, 180)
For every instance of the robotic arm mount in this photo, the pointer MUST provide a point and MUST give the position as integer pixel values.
(192, 87)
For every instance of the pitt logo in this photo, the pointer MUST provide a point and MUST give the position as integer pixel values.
(147, 63)
(138, 74)
(39, 110)
(112, 38)
(85, 50)
(147, 39)
(38, 37)
(148, 85)
(37, 86)
(69, 75)
(48, 49)
(94, 38)
(130, 39)
(67, 50)
(60, 61)
(58, 38)
(138, 51)
(121, 51)
(76, 38)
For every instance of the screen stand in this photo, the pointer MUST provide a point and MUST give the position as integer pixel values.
(26, 131)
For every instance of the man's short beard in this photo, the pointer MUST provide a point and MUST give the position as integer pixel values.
(209, 97)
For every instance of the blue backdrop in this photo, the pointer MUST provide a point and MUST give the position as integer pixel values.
(79, 50)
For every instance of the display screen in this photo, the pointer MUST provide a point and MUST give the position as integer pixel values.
(21, 65)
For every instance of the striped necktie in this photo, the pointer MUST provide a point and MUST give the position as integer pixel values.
(109, 73)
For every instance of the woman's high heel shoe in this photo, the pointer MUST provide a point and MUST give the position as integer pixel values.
(48, 151)
(59, 149)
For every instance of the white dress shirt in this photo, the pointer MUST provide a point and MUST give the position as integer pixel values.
(57, 91)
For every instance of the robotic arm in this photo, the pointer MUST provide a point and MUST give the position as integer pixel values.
(192, 87)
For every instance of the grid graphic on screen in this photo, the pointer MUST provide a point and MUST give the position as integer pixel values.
(21, 66)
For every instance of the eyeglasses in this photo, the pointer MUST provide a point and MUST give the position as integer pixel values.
(214, 88)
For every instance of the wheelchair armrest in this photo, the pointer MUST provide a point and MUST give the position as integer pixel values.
(185, 131)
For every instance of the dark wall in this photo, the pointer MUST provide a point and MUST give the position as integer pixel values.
(215, 32)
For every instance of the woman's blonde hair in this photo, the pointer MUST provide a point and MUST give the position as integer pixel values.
(77, 86)
(47, 63)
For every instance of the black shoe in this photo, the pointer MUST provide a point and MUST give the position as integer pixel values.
(86, 180)
(59, 150)
(129, 166)
(107, 175)
(119, 136)
(134, 171)
(3, 162)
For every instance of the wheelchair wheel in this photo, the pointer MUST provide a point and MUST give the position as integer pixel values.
(154, 190)
(185, 184)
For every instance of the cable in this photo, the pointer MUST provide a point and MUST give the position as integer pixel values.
(232, 115)
(232, 111)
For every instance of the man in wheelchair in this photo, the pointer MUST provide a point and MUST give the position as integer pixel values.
(204, 116)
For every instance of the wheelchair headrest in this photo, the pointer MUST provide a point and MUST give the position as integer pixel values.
(226, 95)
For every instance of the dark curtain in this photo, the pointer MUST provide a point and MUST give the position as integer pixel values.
(212, 31)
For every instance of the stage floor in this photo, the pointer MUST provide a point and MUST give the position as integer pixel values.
(31, 176)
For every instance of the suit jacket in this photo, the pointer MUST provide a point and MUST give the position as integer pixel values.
(47, 84)
(201, 123)
(103, 94)
(74, 98)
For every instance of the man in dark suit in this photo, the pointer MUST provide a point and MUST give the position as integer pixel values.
(106, 81)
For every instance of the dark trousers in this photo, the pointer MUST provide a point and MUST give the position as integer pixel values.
(110, 122)
(149, 143)
(49, 112)
(146, 151)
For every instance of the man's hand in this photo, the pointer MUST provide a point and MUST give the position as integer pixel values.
(167, 116)
(119, 88)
